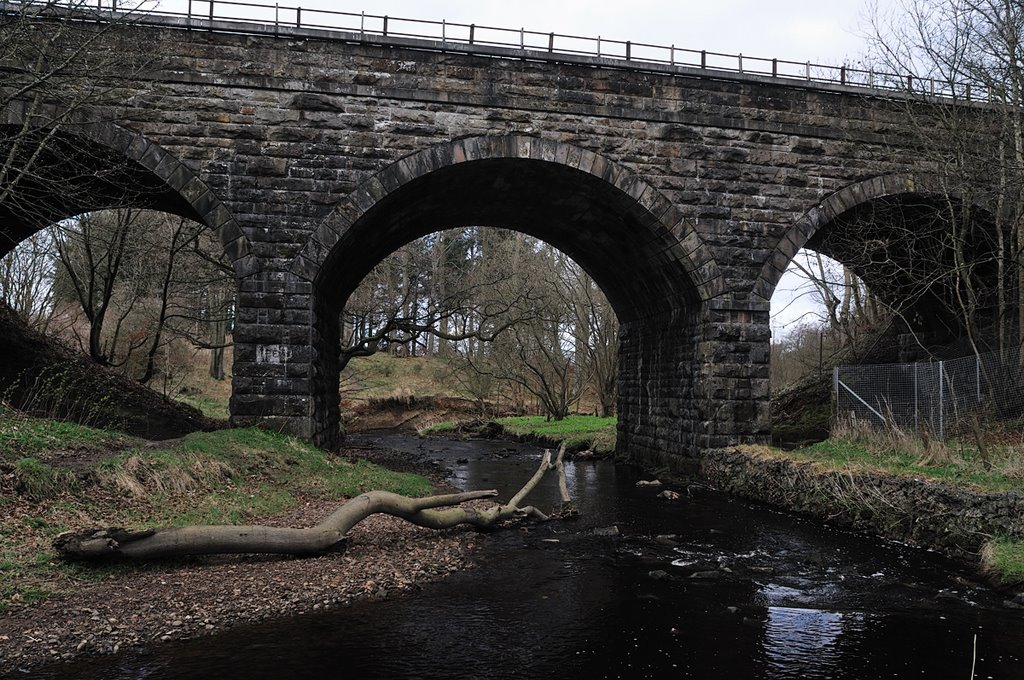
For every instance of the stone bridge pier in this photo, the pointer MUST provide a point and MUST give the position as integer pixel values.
(693, 357)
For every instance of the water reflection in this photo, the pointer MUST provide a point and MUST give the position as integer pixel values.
(796, 639)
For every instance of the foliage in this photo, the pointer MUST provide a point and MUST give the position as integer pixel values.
(577, 431)
(959, 246)
(513, 319)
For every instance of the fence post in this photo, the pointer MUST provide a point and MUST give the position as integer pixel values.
(917, 423)
(977, 376)
(835, 386)
(703, 58)
(942, 398)
(472, 30)
(628, 50)
(672, 55)
(775, 67)
(211, 11)
(551, 42)
(298, 17)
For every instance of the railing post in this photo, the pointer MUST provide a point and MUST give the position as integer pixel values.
(472, 30)
(703, 58)
(910, 83)
(599, 46)
(672, 54)
(522, 38)
(385, 25)
(277, 17)
(775, 68)
(842, 75)
(629, 50)
(808, 66)
(362, 25)
(190, 13)
(551, 42)
(298, 17)
(211, 11)
(967, 92)
(739, 61)
(444, 31)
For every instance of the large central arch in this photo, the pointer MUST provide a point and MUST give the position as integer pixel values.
(652, 266)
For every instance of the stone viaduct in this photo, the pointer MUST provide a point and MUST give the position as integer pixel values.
(684, 193)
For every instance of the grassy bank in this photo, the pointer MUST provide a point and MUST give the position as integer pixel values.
(958, 464)
(55, 477)
(578, 432)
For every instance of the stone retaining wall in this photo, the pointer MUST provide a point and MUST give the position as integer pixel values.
(955, 521)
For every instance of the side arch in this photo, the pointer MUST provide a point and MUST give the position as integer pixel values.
(670, 240)
(827, 211)
(122, 158)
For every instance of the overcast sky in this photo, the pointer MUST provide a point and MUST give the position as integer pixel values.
(820, 31)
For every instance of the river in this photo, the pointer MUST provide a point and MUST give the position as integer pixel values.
(637, 587)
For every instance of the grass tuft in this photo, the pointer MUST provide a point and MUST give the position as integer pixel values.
(590, 432)
(1002, 559)
(38, 481)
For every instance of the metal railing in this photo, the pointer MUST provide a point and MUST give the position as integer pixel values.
(236, 16)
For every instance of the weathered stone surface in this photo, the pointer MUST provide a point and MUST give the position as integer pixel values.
(684, 196)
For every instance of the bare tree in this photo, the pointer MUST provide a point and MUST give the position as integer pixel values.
(973, 50)
(59, 60)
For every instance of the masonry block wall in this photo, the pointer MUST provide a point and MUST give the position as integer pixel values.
(283, 143)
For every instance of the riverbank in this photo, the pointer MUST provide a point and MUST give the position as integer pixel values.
(971, 512)
(52, 611)
(592, 435)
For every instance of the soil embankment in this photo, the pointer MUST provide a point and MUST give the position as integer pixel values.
(44, 378)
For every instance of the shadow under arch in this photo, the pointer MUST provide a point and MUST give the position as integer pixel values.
(618, 227)
(828, 211)
(895, 232)
(83, 164)
(653, 267)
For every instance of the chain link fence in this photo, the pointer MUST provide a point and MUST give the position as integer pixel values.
(937, 396)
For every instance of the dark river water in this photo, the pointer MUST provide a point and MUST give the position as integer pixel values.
(706, 587)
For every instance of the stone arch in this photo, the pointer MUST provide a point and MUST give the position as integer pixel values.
(671, 241)
(675, 315)
(165, 183)
(847, 198)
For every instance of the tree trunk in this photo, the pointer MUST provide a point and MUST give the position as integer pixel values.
(329, 535)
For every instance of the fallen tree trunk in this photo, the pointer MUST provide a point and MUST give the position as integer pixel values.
(433, 512)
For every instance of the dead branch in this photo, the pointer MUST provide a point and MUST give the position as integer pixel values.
(433, 512)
